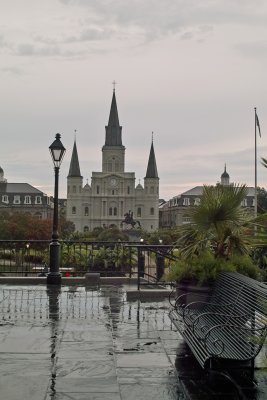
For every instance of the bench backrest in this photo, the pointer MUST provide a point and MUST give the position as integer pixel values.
(243, 295)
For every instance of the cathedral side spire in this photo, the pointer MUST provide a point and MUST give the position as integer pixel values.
(152, 171)
(113, 130)
(74, 170)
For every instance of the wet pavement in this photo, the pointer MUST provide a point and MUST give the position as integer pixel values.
(87, 343)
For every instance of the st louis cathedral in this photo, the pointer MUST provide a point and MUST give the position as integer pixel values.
(112, 199)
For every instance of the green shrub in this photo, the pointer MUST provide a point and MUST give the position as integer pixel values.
(204, 269)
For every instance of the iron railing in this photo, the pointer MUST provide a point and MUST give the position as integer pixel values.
(31, 258)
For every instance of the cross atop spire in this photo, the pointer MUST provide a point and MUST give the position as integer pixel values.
(114, 83)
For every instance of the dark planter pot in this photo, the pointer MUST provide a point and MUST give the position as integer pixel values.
(192, 292)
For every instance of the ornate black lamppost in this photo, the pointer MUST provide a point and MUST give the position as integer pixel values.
(57, 151)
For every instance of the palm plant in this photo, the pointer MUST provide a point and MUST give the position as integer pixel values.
(219, 224)
(264, 162)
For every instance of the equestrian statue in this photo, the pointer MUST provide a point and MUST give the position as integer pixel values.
(128, 220)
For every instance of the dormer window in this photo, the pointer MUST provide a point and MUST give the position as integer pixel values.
(38, 200)
(27, 200)
(5, 198)
(197, 201)
(186, 201)
(244, 203)
(16, 199)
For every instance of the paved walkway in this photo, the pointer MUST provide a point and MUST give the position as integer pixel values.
(94, 344)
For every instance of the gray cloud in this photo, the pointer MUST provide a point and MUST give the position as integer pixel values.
(171, 16)
(253, 49)
(11, 70)
(187, 35)
(26, 49)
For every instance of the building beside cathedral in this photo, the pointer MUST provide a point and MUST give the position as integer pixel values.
(24, 198)
(112, 193)
(176, 211)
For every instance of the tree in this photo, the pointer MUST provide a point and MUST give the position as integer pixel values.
(20, 226)
(218, 224)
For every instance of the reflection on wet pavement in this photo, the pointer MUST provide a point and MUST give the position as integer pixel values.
(86, 343)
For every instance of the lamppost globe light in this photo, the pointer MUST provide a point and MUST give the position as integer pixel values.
(57, 151)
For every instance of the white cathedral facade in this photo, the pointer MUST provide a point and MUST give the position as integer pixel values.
(113, 192)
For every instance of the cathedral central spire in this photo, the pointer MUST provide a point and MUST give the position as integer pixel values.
(113, 130)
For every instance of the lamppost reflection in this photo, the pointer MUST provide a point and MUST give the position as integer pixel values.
(53, 293)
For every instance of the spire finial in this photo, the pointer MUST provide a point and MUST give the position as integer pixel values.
(75, 131)
(152, 136)
(114, 83)
(225, 167)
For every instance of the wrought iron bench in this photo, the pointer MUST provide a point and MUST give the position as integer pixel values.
(229, 329)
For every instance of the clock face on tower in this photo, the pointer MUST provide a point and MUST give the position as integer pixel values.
(113, 182)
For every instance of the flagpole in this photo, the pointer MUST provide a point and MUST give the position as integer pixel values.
(256, 200)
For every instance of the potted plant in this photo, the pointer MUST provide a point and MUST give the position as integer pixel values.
(221, 233)
(194, 278)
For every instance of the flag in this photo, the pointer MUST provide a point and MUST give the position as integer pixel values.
(258, 124)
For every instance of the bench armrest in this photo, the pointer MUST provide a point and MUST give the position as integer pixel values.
(216, 342)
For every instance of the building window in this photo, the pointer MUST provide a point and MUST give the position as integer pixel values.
(186, 201)
(152, 211)
(128, 190)
(86, 211)
(115, 211)
(152, 190)
(16, 199)
(74, 189)
(110, 211)
(27, 200)
(139, 212)
(113, 192)
(73, 210)
(38, 200)
(197, 201)
(5, 198)
(86, 229)
(97, 189)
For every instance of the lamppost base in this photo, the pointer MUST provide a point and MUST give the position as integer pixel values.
(53, 278)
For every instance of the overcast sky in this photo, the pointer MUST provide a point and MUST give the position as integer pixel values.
(191, 71)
